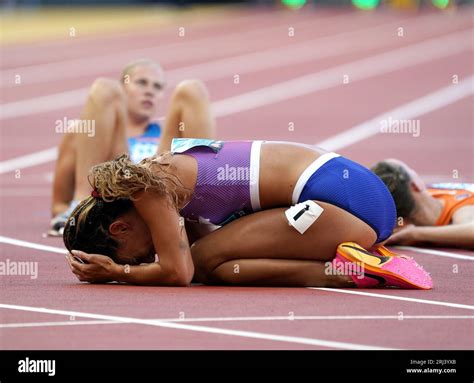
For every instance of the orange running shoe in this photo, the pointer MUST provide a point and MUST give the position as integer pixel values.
(382, 250)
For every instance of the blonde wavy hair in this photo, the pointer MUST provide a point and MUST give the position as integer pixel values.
(116, 184)
(121, 178)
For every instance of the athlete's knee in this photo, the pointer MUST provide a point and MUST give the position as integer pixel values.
(191, 90)
(367, 239)
(106, 90)
(205, 259)
(223, 275)
(202, 275)
(208, 272)
(200, 257)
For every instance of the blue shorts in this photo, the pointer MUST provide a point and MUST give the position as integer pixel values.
(349, 186)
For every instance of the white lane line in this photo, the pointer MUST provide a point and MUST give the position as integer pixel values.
(422, 27)
(43, 104)
(361, 69)
(386, 62)
(31, 245)
(439, 253)
(415, 108)
(418, 107)
(58, 250)
(205, 71)
(182, 51)
(25, 191)
(317, 49)
(395, 297)
(383, 63)
(203, 329)
(59, 323)
(32, 159)
(248, 319)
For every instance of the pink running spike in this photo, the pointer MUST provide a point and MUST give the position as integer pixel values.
(397, 270)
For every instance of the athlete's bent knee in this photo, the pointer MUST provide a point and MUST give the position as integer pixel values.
(106, 90)
(204, 258)
(192, 90)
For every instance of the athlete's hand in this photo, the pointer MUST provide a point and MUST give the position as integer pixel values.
(92, 268)
(407, 235)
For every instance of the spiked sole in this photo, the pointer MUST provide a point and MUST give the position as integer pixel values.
(400, 271)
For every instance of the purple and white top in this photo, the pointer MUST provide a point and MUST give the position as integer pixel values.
(227, 179)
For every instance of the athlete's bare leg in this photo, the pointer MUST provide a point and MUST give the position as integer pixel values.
(262, 249)
(189, 114)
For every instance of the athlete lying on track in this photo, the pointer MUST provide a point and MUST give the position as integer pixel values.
(247, 187)
(441, 214)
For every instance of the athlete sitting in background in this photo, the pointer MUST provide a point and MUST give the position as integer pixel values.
(123, 113)
(442, 214)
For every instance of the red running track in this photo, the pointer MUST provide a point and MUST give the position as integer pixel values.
(339, 75)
